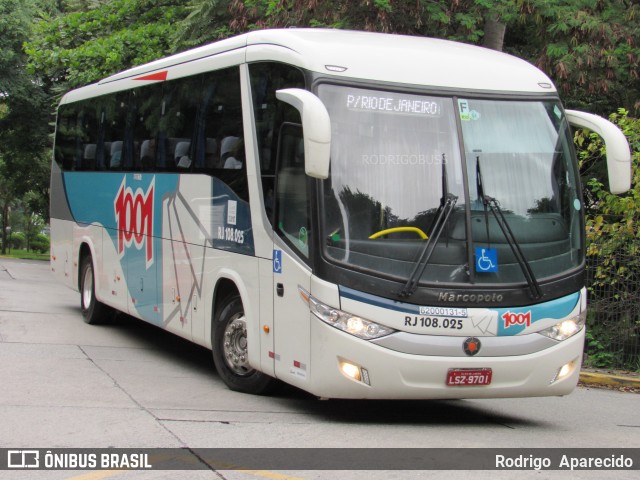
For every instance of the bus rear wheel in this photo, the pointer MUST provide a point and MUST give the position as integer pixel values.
(93, 311)
(229, 344)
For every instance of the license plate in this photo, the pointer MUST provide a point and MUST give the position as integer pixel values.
(468, 377)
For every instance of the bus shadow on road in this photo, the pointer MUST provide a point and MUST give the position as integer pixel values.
(393, 412)
(175, 349)
(416, 412)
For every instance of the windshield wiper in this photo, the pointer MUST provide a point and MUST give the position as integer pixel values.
(494, 206)
(447, 204)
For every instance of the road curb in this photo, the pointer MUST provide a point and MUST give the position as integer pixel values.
(593, 378)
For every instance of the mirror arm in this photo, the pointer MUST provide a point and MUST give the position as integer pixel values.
(316, 126)
(618, 152)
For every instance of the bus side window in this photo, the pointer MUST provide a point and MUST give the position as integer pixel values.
(111, 115)
(219, 136)
(178, 122)
(208, 125)
(145, 104)
(86, 138)
(69, 148)
(270, 114)
(292, 192)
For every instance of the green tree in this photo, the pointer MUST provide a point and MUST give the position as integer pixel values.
(40, 243)
(33, 227)
(102, 38)
(459, 19)
(613, 248)
(7, 199)
(17, 240)
(612, 220)
(19, 94)
(207, 20)
(24, 113)
(589, 47)
(21, 97)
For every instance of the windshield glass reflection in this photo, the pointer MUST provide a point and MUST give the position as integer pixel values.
(386, 186)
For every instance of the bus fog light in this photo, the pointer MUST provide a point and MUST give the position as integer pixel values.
(350, 370)
(354, 372)
(564, 371)
(566, 328)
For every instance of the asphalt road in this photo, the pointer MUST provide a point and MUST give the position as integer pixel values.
(127, 384)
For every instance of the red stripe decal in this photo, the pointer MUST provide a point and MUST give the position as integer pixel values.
(159, 76)
(296, 364)
(272, 355)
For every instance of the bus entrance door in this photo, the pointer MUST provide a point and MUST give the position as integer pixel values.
(291, 319)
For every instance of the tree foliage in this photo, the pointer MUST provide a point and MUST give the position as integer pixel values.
(14, 20)
(589, 47)
(457, 19)
(25, 113)
(612, 220)
(613, 248)
(81, 47)
(21, 98)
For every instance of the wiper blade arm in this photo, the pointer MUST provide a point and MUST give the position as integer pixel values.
(438, 226)
(494, 206)
(447, 204)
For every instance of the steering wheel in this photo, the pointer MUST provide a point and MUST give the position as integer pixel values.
(399, 229)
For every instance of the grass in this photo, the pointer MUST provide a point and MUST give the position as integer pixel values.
(25, 255)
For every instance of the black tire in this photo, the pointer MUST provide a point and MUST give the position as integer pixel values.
(93, 311)
(229, 344)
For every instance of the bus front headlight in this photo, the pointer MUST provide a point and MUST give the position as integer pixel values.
(344, 321)
(566, 328)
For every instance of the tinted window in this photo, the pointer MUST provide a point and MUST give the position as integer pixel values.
(186, 125)
(270, 114)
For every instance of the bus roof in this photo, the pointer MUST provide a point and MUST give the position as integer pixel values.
(376, 57)
(408, 59)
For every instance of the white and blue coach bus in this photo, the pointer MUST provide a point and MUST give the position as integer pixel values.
(358, 215)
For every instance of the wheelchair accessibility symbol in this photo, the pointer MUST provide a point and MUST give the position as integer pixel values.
(486, 260)
(277, 261)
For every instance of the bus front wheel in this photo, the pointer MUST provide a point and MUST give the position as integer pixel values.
(93, 311)
(229, 344)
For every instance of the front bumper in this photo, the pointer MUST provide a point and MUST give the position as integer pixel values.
(397, 375)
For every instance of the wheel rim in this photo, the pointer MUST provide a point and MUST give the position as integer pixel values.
(234, 345)
(87, 287)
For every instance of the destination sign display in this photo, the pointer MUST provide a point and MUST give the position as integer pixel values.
(389, 103)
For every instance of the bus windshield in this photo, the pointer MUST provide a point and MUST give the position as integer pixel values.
(398, 159)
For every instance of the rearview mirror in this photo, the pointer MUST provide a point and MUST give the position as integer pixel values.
(316, 127)
(618, 152)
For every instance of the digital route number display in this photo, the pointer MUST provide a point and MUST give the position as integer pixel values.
(385, 103)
